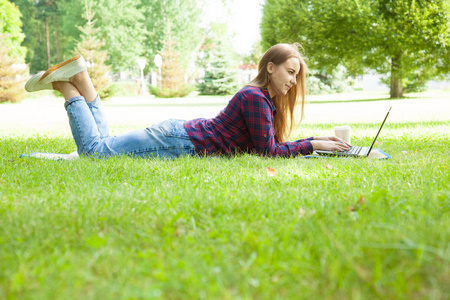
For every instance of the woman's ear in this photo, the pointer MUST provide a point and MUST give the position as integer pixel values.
(270, 67)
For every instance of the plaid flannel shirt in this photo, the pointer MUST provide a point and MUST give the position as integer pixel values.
(245, 125)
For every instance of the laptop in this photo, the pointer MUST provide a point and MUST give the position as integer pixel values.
(355, 151)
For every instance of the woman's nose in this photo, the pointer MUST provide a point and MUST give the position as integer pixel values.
(294, 80)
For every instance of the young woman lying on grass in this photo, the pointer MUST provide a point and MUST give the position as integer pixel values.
(258, 119)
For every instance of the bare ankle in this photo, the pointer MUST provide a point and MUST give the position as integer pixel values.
(78, 77)
(67, 89)
(83, 83)
(56, 85)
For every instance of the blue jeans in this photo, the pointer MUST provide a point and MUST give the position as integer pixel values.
(167, 139)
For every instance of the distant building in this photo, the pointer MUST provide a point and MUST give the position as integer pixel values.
(247, 72)
(372, 82)
(439, 85)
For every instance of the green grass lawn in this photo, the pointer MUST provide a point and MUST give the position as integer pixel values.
(222, 228)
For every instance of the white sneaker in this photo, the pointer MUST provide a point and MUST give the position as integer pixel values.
(34, 85)
(60, 72)
(64, 70)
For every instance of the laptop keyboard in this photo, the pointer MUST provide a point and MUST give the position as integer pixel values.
(353, 150)
(356, 150)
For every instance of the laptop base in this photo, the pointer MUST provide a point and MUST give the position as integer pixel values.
(355, 151)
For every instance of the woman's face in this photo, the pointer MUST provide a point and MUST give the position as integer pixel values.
(283, 77)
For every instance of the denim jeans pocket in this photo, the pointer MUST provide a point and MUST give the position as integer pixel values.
(174, 128)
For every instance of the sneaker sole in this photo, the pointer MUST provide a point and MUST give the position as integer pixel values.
(33, 84)
(58, 66)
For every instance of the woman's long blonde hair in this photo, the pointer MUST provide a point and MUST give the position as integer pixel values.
(285, 118)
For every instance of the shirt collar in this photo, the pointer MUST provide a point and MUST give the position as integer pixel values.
(266, 93)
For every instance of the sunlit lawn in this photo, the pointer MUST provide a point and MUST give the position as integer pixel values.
(222, 228)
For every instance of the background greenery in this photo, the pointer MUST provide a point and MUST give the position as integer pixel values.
(405, 41)
(11, 54)
(131, 29)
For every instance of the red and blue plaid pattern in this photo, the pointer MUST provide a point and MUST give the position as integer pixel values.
(245, 125)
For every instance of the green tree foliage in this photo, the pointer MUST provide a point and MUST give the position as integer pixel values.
(33, 40)
(408, 39)
(49, 11)
(220, 73)
(177, 19)
(71, 16)
(47, 21)
(130, 29)
(12, 73)
(322, 82)
(90, 47)
(218, 61)
(172, 73)
(121, 25)
(11, 27)
(255, 55)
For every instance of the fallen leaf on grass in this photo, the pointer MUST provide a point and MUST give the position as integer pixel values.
(361, 200)
(270, 172)
(329, 167)
(360, 204)
(301, 212)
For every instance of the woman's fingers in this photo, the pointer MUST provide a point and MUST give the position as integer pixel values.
(342, 141)
(330, 145)
(341, 146)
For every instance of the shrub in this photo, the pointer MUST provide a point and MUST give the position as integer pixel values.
(183, 91)
(90, 46)
(12, 76)
(220, 75)
(321, 82)
(172, 74)
(126, 88)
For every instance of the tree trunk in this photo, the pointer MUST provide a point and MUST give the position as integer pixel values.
(57, 41)
(396, 79)
(48, 42)
(396, 87)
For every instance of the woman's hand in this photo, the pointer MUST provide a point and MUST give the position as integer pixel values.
(329, 143)
(331, 138)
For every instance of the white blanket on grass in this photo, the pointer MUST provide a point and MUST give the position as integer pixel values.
(53, 156)
(375, 153)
